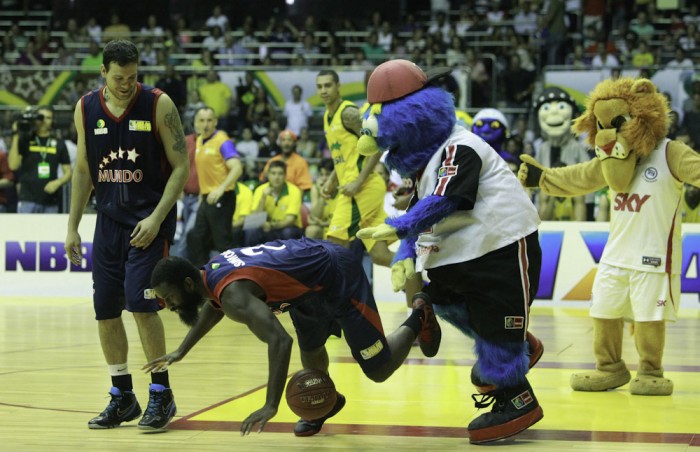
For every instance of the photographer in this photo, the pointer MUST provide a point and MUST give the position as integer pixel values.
(37, 155)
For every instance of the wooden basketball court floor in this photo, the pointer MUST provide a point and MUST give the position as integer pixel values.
(53, 379)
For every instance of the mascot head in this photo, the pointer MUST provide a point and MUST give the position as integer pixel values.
(555, 111)
(624, 121)
(407, 116)
(492, 126)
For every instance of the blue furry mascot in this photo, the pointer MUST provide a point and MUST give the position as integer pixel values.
(472, 227)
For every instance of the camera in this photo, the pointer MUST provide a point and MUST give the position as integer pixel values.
(26, 119)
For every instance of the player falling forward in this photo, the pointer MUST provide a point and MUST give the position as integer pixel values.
(323, 287)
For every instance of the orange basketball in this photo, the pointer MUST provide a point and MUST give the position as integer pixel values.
(311, 394)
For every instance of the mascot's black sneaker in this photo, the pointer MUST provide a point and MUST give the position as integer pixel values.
(122, 408)
(430, 334)
(161, 409)
(310, 428)
(514, 410)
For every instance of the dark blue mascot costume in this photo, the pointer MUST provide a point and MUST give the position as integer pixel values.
(472, 227)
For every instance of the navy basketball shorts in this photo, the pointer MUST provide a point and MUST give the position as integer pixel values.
(121, 273)
(495, 290)
(346, 301)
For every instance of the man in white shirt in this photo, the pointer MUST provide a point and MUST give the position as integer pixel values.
(297, 111)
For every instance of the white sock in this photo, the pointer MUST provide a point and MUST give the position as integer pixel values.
(118, 369)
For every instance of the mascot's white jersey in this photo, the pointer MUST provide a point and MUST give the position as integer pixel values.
(645, 222)
(494, 211)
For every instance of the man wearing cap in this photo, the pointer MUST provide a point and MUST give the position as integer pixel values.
(297, 166)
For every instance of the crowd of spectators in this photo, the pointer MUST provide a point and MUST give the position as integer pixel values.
(503, 45)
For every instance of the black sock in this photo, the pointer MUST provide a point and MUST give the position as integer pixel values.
(160, 378)
(415, 321)
(123, 382)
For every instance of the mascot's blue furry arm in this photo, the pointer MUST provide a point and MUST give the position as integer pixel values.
(423, 215)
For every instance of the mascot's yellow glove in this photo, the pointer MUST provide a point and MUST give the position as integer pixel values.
(401, 272)
(531, 172)
(380, 233)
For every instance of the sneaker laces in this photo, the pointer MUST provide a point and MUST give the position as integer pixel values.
(485, 401)
(154, 403)
(113, 404)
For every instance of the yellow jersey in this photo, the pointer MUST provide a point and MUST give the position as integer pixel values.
(210, 164)
(244, 201)
(343, 145)
(288, 203)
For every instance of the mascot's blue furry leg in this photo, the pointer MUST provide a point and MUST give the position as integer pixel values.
(499, 364)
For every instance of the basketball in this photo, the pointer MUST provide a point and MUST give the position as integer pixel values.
(311, 394)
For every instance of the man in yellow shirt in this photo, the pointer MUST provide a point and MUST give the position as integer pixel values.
(244, 203)
(217, 95)
(360, 202)
(282, 202)
(321, 210)
(218, 168)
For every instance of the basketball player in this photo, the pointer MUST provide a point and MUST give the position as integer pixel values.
(131, 150)
(321, 284)
(360, 199)
(361, 191)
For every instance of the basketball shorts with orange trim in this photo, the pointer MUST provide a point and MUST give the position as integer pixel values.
(364, 210)
(346, 303)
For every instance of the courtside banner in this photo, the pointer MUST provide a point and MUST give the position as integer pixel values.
(33, 262)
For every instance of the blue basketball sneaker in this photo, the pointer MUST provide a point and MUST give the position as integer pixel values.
(122, 408)
(161, 409)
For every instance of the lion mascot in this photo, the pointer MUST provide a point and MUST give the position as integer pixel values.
(638, 277)
(472, 227)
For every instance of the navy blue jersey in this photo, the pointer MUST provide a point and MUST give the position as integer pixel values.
(287, 270)
(127, 160)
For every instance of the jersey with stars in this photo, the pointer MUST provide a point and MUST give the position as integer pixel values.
(127, 161)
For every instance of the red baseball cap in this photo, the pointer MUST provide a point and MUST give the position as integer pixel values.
(395, 79)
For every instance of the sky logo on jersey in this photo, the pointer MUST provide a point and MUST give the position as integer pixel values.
(630, 202)
(100, 127)
(139, 126)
